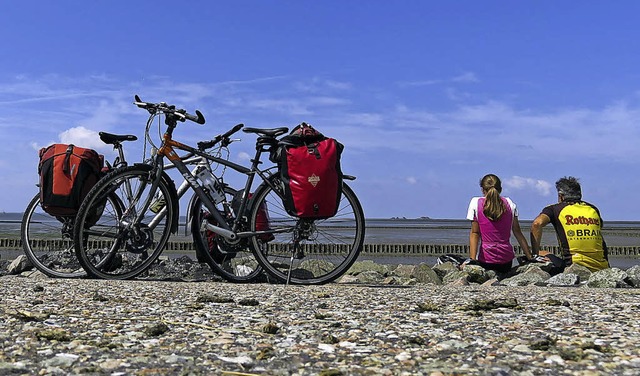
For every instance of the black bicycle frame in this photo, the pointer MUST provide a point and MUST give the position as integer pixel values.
(222, 228)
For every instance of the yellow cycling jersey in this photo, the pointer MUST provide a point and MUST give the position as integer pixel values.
(578, 226)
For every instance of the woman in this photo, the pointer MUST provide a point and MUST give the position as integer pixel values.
(494, 218)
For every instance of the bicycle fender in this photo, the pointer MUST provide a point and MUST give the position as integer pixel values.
(173, 192)
(187, 227)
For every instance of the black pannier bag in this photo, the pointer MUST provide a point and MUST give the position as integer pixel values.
(309, 165)
(67, 174)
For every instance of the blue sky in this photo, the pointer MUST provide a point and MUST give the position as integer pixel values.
(426, 96)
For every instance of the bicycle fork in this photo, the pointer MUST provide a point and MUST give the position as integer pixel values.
(303, 231)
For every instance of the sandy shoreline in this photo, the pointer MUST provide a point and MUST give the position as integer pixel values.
(107, 327)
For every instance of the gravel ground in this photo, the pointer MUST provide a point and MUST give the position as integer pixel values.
(60, 327)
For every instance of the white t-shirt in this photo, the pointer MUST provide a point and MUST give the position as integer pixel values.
(472, 212)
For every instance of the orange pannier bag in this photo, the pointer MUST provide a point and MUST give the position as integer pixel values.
(67, 174)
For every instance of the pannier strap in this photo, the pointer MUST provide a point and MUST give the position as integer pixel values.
(66, 165)
(313, 149)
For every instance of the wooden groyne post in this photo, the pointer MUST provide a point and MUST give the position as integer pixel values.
(368, 249)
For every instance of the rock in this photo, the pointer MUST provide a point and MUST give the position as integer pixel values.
(612, 277)
(410, 282)
(531, 276)
(367, 265)
(392, 280)
(424, 274)
(180, 269)
(348, 278)
(563, 279)
(462, 281)
(19, 265)
(4, 265)
(492, 282)
(581, 271)
(477, 274)
(454, 276)
(403, 271)
(633, 276)
(316, 267)
(370, 277)
(445, 268)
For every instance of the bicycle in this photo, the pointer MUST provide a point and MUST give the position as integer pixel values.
(56, 257)
(292, 250)
(47, 240)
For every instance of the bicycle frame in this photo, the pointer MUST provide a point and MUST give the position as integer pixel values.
(167, 150)
(198, 157)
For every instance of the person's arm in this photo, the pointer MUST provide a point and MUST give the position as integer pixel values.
(474, 240)
(517, 232)
(536, 232)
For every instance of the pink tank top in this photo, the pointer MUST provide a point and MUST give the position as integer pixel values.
(496, 246)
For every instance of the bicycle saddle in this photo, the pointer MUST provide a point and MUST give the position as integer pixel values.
(271, 132)
(109, 138)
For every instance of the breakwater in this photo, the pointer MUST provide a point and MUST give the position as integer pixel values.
(368, 249)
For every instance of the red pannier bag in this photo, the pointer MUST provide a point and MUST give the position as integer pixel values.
(310, 171)
(67, 174)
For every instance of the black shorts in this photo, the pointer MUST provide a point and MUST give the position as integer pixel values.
(498, 268)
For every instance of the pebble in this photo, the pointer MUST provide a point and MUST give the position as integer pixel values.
(204, 328)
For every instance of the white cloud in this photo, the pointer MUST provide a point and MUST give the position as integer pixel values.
(411, 180)
(419, 83)
(521, 183)
(81, 136)
(244, 157)
(466, 77)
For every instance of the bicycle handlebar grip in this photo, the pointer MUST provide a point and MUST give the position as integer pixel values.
(138, 102)
(233, 130)
(198, 118)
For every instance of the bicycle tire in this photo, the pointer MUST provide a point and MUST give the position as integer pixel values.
(331, 246)
(233, 262)
(122, 247)
(47, 242)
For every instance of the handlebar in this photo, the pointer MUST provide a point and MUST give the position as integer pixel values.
(202, 145)
(169, 110)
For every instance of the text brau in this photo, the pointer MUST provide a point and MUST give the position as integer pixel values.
(583, 233)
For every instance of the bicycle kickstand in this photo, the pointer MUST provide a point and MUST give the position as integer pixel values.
(296, 254)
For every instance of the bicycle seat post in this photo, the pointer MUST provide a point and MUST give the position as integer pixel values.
(121, 161)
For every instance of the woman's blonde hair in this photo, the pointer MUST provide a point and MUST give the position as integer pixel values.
(493, 205)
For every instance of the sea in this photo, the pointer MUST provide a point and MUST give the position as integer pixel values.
(418, 231)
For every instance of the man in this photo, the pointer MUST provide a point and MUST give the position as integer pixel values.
(578, 227)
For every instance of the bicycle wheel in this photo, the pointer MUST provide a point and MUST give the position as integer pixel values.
(233, 261)
(47, 242)
(123, 246)
(325, 248)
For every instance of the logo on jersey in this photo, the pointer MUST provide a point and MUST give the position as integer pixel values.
(581, 220)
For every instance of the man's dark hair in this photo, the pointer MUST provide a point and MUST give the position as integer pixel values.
(569, 188)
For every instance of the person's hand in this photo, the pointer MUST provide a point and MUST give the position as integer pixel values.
(468, 261)
(538, 258)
